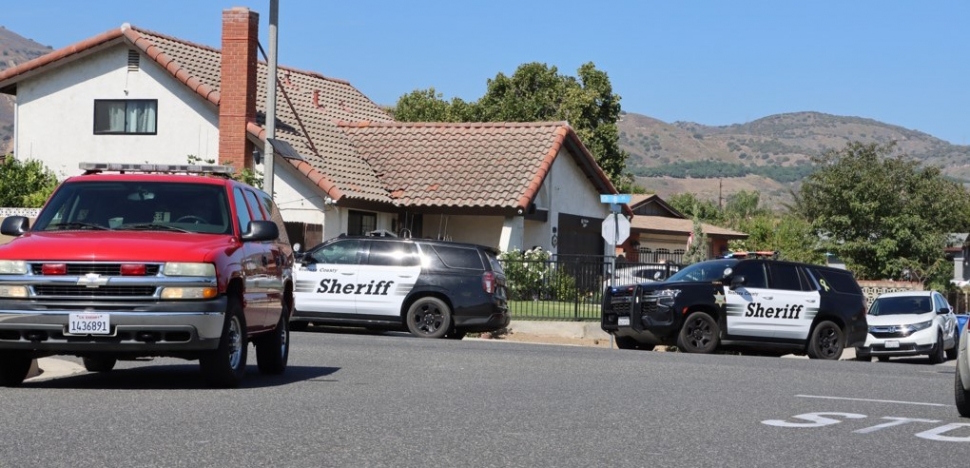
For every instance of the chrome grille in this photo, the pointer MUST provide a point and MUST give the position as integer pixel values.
(84, 291)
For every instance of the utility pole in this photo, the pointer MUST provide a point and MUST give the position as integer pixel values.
(269, 154)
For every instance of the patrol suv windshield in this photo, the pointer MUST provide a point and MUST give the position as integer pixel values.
(703, 271)
(137, 206)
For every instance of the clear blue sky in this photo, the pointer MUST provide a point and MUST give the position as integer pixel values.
(905, 63)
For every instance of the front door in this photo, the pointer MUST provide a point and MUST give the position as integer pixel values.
(386, 277)
(326, 279)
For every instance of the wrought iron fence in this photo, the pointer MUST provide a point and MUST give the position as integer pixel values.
(570, 287)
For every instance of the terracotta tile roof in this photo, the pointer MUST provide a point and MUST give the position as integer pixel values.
(667, 225)
(494, 165)
(372, 158)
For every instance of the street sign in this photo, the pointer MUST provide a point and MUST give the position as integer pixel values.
(616, 225)
(615, 198)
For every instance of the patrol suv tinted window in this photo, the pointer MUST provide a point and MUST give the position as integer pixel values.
(241, 211)
(753, 272)
(785, 276)
(839, 280)
(393, 254)
(459, 257)
(493, 261)
(341, 252)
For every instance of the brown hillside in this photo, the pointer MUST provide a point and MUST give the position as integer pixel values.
(14, 50)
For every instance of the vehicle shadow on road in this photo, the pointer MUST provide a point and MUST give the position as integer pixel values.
(175, 377)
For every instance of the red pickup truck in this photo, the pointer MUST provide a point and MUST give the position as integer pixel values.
(140, 260)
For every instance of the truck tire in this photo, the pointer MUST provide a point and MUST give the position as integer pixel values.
(273, 349)
(14, 366)
(225, 366)
(99, 364)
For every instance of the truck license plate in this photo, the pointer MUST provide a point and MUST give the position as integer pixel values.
(89, 324)
(623, 321)
(892, 344)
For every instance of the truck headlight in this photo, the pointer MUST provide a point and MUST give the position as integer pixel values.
(13, 267)
(188, 269)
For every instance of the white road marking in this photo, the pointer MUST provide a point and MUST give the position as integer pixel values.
(870, 400)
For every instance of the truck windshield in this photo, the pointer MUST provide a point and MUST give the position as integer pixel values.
(162, 206)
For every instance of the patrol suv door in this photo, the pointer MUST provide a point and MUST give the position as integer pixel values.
(326, 278)
(386, 277)
(795, 301)
(746, 303)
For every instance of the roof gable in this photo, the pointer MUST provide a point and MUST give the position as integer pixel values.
(371, 159)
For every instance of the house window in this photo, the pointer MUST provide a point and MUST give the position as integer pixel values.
(125, 116)
(360, 223)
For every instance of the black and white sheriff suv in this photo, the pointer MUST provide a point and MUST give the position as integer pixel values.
(434, 289)
(750, 302)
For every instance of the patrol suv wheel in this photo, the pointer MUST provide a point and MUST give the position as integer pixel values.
(827, 341)
(99, 364)
(938, 355)
(429, 317)
(298, 326)
(962, 396)
(14, 366)
(225, 366)
(700, 334)
(273, 349)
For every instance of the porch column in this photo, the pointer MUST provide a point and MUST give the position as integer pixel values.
(513, 230)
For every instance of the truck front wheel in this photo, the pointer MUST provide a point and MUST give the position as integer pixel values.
(225, 366)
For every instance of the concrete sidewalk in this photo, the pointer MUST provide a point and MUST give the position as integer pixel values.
(53, 367)
(592, 331)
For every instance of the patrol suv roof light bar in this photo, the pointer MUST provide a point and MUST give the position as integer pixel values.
(772, 254)
(93, 168)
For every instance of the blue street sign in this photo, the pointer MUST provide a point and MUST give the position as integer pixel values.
(615, 199)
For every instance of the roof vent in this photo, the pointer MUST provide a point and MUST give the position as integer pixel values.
(133, 57)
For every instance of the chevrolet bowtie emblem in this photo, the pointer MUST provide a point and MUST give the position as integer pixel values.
(92, 280)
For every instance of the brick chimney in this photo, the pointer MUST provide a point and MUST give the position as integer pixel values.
(237, 102)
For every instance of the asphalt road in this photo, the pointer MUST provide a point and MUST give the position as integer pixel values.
(393, 400)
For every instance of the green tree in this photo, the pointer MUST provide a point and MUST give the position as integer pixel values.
(697, 251)
(790, 235)
(537, 92)
(692, 207)
(25, 184)
(881, 212)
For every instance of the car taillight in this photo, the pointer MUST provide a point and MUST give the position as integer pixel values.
(488, 282)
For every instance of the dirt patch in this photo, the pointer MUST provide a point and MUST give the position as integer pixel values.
(545, 339)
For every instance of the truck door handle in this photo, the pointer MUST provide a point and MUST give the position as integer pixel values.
(265, 261)
(810, 301)
(768, 298)
(346, 273)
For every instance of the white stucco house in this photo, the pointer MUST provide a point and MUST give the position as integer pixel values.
(133, 95)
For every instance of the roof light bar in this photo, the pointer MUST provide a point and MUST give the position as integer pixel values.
(167, 168)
